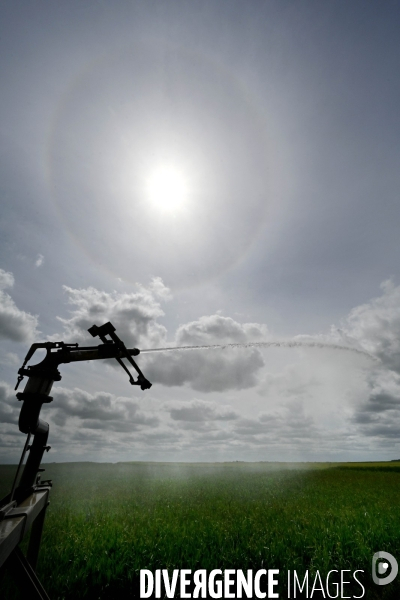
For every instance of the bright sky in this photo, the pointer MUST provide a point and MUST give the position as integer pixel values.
(204, 173)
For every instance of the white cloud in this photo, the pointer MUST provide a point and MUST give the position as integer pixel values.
(158, 288)
(206, 371)
(39, 260)
(210, 370)
(9, 405)
(376, 326)
(6, 279)
(134, 315)
(216, 329)
(15, 324)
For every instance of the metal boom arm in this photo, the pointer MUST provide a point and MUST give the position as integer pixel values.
(40, 381)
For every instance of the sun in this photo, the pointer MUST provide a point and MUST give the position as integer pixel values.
(167, 189)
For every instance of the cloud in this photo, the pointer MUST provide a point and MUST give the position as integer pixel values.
(158, 289)
(99, 411)
(378, 415)
(291, 382)
(9, 405)
(210, 370)
(301, 407)
(96, 426)
(375, 326)
(15, 324)
(290, 421)
(6, 279)
(200, 410)
(207, 371)
(215, 329)
(9, 359)
(39, 260)
(134, 315)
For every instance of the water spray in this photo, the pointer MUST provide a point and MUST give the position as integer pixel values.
(271, 344)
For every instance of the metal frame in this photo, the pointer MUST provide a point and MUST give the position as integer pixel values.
(25, 506)
(16, 522)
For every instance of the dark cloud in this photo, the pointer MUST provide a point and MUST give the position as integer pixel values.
(378, 415)
(382, 402)
(387, 427)
(98, 411)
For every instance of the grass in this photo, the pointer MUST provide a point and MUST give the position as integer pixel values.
(106, 522)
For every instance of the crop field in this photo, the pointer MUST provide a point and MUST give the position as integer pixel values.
(106, 522)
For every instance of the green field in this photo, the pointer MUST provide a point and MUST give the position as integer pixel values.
(106, 522)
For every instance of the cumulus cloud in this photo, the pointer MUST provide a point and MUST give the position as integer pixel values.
(158, 289)
(210, 370)
(375, 326)
(15, 324)
(200, 410)
(216, 329)
(134, 315)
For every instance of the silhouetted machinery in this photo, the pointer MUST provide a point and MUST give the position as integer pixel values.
(24, 508)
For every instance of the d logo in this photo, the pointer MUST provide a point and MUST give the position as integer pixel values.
(382, 567)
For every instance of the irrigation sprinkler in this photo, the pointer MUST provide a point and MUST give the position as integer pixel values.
(24, 508)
